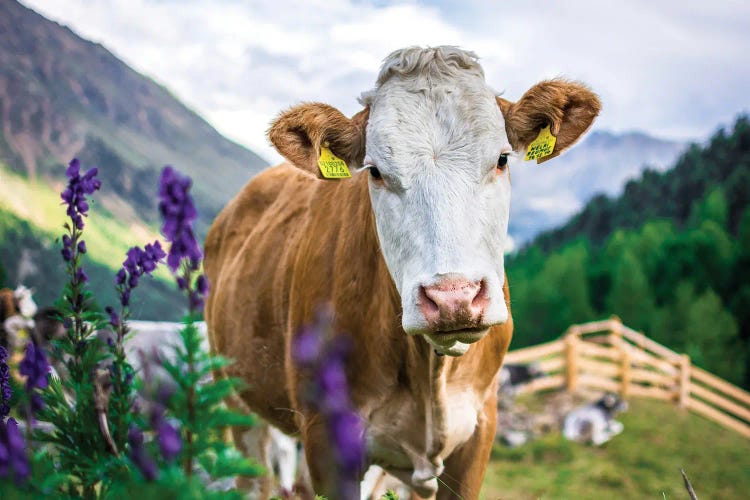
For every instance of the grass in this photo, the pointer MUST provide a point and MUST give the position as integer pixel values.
(31, 218)
(107, 238)
(643, 462)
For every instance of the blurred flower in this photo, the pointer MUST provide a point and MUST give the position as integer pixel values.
(5, 390)
(35, 367)
(13, 452)
(139, 455)
(114, 319)
(178, 214)
(170, 442)
(201, 284)
(317, 350)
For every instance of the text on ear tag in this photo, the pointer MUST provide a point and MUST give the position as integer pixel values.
(331, 166)
(542, 146)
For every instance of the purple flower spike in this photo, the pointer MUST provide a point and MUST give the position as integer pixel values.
(170, 442)
(74, 196)
(201, 284)
(114, 319)
(178, 213)
(13, 452)
(35, 367)
(5, 389)
(322, 355)
(140, 456)
(137, 263)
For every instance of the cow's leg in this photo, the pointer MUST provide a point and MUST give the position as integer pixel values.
(284, 452)
(254, 442)
(465, 468)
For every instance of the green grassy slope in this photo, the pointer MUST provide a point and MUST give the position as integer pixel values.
(31, 219)
(643, 462)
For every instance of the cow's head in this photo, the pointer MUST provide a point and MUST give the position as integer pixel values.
(435, 140)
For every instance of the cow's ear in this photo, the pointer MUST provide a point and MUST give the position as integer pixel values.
(299, 133)
(569, 108)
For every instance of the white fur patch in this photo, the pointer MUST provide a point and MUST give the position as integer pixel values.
(435, 133)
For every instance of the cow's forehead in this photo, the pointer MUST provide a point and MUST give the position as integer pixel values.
(455, 121)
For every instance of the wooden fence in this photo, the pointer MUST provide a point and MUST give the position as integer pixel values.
(607, 355)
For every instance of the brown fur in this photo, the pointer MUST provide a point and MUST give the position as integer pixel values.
(288, 243)
(8, 305)
(569, 108)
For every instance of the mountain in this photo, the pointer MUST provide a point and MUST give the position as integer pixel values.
(545, 195)
(63, 97)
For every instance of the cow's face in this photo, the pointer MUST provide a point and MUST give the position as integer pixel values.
(435, 141)
(440, 191)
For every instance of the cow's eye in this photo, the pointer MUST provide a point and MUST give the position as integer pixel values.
(502, 161)
(375, 173)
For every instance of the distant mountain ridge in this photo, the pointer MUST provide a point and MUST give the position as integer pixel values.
(62, 96)
(546, 195)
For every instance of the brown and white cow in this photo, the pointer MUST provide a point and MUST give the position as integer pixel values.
(409, 251)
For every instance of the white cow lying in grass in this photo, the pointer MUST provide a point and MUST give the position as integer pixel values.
(594, 423)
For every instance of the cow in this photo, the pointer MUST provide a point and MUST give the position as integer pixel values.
(595, 423)
(408, 251)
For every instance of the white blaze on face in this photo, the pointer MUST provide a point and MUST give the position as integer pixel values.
(441, 209)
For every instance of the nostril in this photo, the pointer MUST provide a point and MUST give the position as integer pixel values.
(482, 297)
(428, 305)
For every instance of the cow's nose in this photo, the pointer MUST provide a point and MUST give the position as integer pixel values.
(454, 303)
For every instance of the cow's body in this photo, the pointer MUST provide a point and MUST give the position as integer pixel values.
(289, 243)
(408, 252)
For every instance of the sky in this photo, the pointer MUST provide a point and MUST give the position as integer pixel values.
(674, 69)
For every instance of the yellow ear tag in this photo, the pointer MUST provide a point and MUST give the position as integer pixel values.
(331, 166)
(542, 146)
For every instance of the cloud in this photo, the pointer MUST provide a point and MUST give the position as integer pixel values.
(670, 68)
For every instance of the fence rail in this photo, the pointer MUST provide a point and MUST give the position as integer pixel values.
(608, 355)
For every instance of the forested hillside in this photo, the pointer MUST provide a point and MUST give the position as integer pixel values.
(670, 256)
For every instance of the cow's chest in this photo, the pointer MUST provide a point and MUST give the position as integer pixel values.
(411, 438)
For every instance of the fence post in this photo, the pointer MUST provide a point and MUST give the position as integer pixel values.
(571, 361)
(624, 371)
(615, 332)
(684, 395)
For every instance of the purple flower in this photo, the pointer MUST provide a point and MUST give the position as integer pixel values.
(201, 284)
(81, 247)
(307, 347)
(5, 390)
(114, 319)
(322, 355)
(13, 452)
(35, 366)
(81, 277)
(140, 456)
(137, 263)
(79, 186)
(178, 213)
(181, 283)
(121, 276)
(346, 431)
(170, 442)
